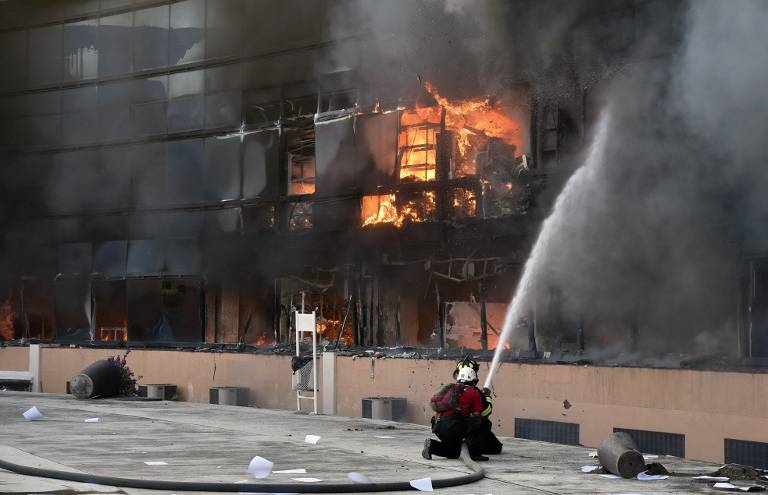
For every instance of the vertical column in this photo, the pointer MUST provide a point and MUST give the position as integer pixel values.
(34, 366)
(328, 386)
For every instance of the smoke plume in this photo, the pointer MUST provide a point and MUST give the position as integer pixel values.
(653, 241)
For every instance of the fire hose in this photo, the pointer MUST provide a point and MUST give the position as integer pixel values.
(199, 486)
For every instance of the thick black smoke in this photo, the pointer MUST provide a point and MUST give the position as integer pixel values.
(654, 239)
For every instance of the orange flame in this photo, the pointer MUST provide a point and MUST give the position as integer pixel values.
(7, 315)
(383, 208)
(329, 330)
(472, 121)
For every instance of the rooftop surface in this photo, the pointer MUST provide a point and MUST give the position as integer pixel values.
(212, 443)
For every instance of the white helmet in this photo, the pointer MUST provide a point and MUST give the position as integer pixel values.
(466, 375)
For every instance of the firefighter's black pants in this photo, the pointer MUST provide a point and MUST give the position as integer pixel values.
(453, 429)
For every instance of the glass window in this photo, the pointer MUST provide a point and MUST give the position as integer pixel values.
(184, 223)
(183, 256)
(73, 305)
(150, 89)
(149, 166)
(44, 103)
(80, 127)
(223, 78)
(150, 38)
(186, 83)
(42, 131)
(75, 258)
(222, 168)
(110, 257)
(223, 110)
(187, 43)
(186, 113)
(261, 162)
(114, 123)
(46, 49)
(81, 55)
(223, 30)
(115, 94)
(149, 118)
(13, 59)
(73, 100)
(185, 164)
(145, 256)
(114, 42)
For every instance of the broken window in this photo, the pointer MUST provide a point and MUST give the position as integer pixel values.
(299, 216)
(110, 300)
(164, 309)
(417, 144)
(301, 162)
(398, 209)
(73, 309)
(463, 203)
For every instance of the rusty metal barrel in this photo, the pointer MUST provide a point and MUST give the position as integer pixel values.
(100, 379)
(619, 455)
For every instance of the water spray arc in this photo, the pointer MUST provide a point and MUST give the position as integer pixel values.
(548, 235)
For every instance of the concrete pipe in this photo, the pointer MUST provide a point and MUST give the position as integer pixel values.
(619, 455)
(101, 379)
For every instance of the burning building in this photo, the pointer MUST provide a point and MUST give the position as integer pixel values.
(187, 172)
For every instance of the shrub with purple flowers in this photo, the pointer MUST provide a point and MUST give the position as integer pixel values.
(127, 378)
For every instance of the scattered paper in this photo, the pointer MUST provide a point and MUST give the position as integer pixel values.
(648, 457)
(725, 486)
(422, 485)
(33, 414)
(155, 463)
(260, 467)
(707, 479)
(589, 469)
(93, 420)
(359, 478)
(610, 476)
(644, 476)
(307, 480)
(291, 471)
(593, 453)
(384, 436)
(313, 439)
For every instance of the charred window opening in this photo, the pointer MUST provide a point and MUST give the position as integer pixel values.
(319, 291)
(26, 310)
(417, 144)
(299, 216)
(398, 209)
(463, 203)
(338, 100)
(301, 162)
(164, 309)
(257, 218)
(110, 308)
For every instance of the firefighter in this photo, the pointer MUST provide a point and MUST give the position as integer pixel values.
(483, 440)
(458, 419)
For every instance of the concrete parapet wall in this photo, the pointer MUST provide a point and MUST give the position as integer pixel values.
(14, 358)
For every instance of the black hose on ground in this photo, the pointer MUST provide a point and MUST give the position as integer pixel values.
(197, 486)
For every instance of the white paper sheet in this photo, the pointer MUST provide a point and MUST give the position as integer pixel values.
(307, 480)
(313, 439)
(589, 469)
(155, 463)
(384, 436)
(648, 457)
(93, 420)
(611, 476)
(359, 478)
(32, 414)
(291, 471)
(644, 476)
(593, 453)
(712, 478)
(726, 486)
(422, 484)
(260, 467)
